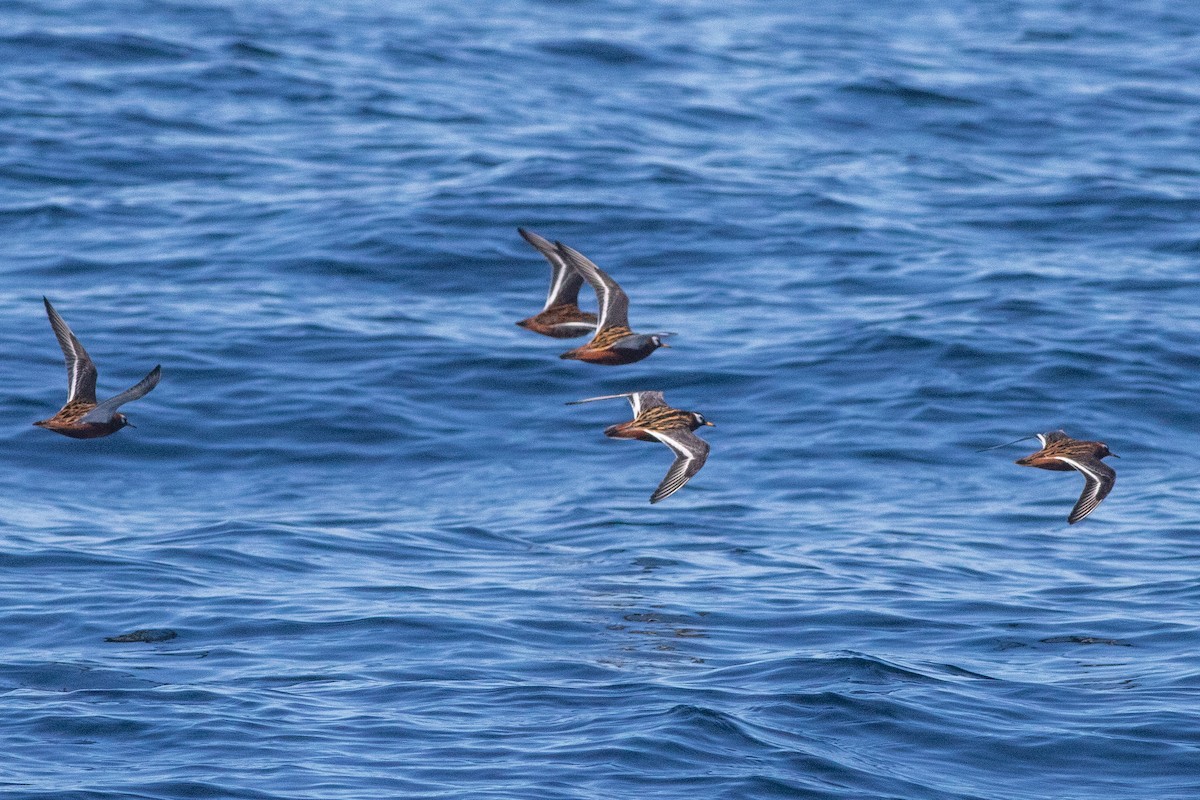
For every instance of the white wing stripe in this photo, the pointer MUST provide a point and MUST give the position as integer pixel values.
(676, 477)
(685, 465)
(80, 369)
(1092, 490)
(591, 273)
(76, 369)
(1091, 476)
(604, 304)
(561, 271)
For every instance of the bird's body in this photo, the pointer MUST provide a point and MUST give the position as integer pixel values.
(563, 321)
(1061, 453)
(614, 342)
(655, 421)
(68, 422)
(561, 316)
(82, 417)
(654, 418)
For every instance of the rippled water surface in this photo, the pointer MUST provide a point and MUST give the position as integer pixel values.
(398, 565)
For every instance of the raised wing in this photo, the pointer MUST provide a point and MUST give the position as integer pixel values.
(1050, 438)
(81, 372)
(103, 412)
(564, 280)
(644, 400)
(614, 304)
(1006, 444)
(640, 401)
(1099, 479)
(690, 454)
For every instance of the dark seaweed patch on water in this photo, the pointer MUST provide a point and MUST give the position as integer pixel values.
(103, 48)
(909, 95)
(599, 52)
(144, 635)
(1085, 640)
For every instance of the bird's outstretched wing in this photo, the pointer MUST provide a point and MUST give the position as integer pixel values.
(103, 412)
(81, 372)
(690, 454)
(564, 280)
(1098, 478)
(639, 400)
(1050, 438)
(614, 303)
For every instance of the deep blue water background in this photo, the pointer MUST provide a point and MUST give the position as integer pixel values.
(399, 566)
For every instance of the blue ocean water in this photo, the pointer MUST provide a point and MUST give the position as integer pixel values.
(398, 565)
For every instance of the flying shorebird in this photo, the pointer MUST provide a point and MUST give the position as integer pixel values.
(1062, 453)
(654, 420)
(614, 342)
(560, 317)
(82, 417)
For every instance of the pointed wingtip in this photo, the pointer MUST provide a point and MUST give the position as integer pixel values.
(568, 253)
(1006, 444)
(659, 495)
(1075, 516)
(537, 241)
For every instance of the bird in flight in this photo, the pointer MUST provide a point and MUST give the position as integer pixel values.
(82, 417)
(654, 420)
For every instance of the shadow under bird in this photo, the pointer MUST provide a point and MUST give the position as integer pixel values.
(560, 317)
(82, 417)
(655, 421)
(614, 342)
(1062, 453)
